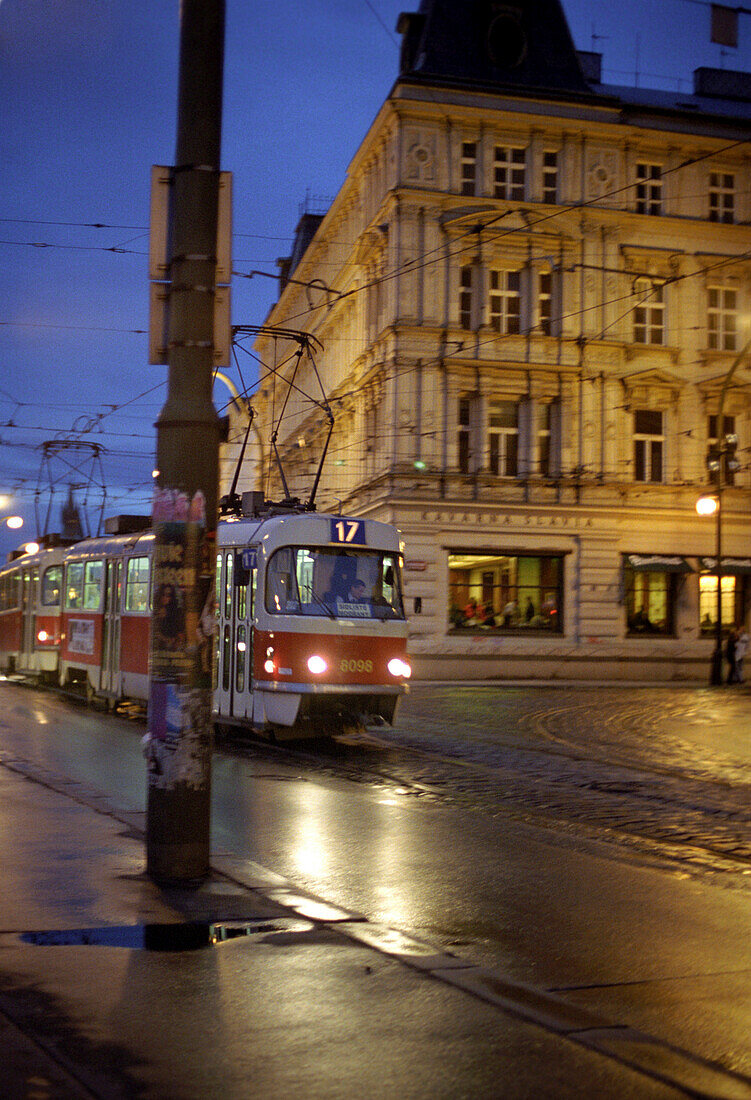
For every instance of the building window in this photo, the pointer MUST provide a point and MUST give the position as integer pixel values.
(728, 423)
(648, 189)
(544, 435)
(464, 434)
(468, 168)
(650, 600)
(505, 301)
(649, 315)
(649, 443)
(550, 177)
(721, 197)
(733, 589)
(467, 283)
(545, 303)
(509, 173)
(722, 318)
(498, 591)
(503, 438)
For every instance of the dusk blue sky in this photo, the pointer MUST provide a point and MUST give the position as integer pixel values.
(88, 93)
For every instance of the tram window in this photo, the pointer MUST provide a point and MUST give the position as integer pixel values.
(242, 601)
(240, 669)
(226, 655)
(52, 583)
(229, 562)
(305, 580)
(218, 584)
(137, 585)
(92, 585)
(74, 586)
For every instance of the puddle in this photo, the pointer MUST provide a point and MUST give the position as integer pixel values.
(189, 936)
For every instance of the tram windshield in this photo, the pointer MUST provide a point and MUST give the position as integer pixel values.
(320, 580)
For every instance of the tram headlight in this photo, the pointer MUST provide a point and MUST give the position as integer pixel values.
(317, 665)
(268, 666)
(400, 668)
(43, 636)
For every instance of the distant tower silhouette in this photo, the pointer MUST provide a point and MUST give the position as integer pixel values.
(71, 517)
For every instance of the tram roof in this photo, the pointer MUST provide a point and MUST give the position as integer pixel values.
(306, 529)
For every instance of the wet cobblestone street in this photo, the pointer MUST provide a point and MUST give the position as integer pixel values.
(663, 772)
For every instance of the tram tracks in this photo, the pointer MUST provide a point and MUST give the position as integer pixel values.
(696, 824)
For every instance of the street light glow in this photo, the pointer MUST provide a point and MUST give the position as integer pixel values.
(707, 506)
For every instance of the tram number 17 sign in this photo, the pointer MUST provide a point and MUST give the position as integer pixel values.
(348, 531)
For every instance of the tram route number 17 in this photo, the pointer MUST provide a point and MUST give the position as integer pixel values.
(348, 530)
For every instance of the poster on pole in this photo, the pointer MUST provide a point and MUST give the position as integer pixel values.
(178, 743)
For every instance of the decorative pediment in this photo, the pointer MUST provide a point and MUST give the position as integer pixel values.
(371, 244)
(653, 377)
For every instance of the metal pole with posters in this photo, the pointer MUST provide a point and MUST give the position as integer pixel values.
(179, 739)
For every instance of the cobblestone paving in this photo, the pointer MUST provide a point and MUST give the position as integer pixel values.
(663, 771)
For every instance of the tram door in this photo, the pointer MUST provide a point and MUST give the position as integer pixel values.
(28, 602)
(226, 632)
(110, 681)
(234, 642)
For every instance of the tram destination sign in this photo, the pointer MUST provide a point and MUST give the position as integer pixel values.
(348, 531)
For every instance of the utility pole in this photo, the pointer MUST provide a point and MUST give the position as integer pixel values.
(180, 738)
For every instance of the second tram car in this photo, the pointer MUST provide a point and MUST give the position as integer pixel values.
(30, 613)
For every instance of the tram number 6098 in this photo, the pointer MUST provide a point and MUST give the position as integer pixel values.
(352, 665)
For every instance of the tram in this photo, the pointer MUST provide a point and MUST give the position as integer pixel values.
(307, 613)
(30, 613)
(311, 631)
(106, 616)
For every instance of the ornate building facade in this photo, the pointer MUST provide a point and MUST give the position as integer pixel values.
(528, 294)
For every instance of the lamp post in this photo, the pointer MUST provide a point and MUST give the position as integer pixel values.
(712, 506)
(720, 459)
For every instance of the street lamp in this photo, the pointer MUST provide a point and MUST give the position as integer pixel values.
(712, 506)
(720, 459)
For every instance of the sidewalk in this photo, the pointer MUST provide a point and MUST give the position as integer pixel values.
(105, 991)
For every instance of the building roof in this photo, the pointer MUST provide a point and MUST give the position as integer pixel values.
(526, 46)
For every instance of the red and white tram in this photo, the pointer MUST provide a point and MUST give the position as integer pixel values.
(307, 612)
(310, 621)
(30, 613)
(106, 615)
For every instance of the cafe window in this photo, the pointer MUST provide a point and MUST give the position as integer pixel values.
(651, 585)
(708, 602)
(735, 587)
(493, 591)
